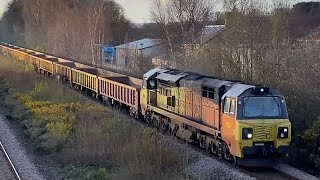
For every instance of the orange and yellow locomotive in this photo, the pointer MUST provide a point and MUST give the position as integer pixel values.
(243, 123)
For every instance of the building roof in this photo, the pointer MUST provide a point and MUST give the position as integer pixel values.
(209, 32)
(140, 44)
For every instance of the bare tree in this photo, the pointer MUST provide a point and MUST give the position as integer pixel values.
(181, 20)
(160, 16)
(70, 29)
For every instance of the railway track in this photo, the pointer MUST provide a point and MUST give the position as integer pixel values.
(8, 171)
(268, 173)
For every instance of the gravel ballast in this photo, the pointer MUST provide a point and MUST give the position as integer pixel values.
(207, 168)
(204, 166)
(294, 172)
(25, 167)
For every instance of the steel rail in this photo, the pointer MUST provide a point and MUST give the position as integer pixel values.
(10, 162)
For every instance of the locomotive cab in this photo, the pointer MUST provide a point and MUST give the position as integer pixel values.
(255, 124)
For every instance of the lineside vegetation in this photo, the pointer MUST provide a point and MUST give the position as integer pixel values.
(91, 140)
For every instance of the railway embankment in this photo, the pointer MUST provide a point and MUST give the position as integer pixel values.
(88, 139)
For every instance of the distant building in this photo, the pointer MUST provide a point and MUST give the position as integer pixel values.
(190, 47)
(207, 33)
(128, 54)
(109, 53)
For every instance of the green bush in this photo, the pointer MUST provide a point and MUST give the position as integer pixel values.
(59, 130)
(311, 142)
(84, 173)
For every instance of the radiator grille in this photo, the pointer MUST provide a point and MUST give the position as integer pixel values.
(263, 132)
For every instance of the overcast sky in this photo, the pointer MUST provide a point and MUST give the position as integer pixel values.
(138, 11)
(3, 6)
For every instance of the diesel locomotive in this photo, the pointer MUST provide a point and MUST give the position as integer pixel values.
(242, 123)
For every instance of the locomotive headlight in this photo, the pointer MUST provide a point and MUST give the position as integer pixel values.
(247, 133)
(283, 132)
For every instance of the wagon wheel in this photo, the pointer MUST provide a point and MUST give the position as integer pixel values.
(137, 115)
(131, 112)
(147, 118)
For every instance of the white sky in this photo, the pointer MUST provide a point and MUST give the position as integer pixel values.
(138, 11)
(3, 6)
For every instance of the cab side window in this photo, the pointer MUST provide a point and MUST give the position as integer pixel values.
(226, 105)
(230, 106)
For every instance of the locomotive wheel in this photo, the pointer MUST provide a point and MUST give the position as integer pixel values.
(154, 122)
(229, 157)
(164, 125)
(214, 148)
(208, 147)
(234, 161)
(170, 131)
(226, 152)
(148, 120)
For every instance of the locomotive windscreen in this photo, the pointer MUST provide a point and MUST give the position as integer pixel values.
(263, 107)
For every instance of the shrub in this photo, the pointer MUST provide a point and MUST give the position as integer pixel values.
(84, 173)
(306, 149)
(59, 130)
(311, 142)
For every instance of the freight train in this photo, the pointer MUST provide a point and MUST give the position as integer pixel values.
(242, 123)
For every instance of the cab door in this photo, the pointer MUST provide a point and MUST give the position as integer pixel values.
(228, 123)
(228, 116)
